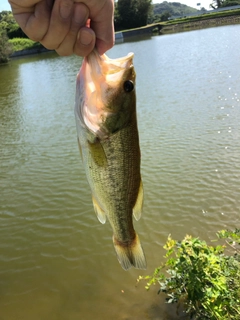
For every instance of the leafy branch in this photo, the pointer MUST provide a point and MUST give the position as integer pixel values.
(201, 276)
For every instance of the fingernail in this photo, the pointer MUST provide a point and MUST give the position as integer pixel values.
(66, 8)
(85, 37)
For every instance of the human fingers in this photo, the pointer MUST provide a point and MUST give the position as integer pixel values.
(52, 23)
(105, 37)
(79, 40)
(33, 16)
(85, 42)
(47, 21)
(59, 24)
(103, 26)
(101, 16)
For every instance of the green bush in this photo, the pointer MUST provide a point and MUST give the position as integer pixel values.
(23, 44)
(202, 277)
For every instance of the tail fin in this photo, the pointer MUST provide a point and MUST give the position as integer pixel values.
(130, 254)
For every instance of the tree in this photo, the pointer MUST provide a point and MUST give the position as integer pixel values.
(9, 24)
(160, 17)
(165, 16)
(5, 46)
(229, 3)
(131, 13)
(216, 4)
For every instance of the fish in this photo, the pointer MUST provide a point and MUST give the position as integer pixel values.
(108, 139)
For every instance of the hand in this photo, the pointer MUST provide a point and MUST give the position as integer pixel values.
(67, 26)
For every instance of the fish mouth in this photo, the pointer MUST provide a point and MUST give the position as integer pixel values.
(100, 78)
(112, 70)
(102, 72)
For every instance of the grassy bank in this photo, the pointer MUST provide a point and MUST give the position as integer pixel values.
(213, 15)
(202, 21)
(171, 26)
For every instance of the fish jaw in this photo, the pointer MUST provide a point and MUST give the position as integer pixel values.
(99, 82)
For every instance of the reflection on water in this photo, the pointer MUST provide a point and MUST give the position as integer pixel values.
(56, 260)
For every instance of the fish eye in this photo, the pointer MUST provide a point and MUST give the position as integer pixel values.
(128, 86)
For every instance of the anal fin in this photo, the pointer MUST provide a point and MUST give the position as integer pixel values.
(137, 209)
(99, 211)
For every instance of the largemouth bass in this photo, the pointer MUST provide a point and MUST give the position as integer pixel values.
(105, 111)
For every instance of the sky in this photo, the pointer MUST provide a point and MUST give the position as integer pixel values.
(4, 5)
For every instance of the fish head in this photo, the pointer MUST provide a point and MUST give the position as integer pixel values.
(106, 99)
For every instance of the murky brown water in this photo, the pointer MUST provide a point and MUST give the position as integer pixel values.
(57, 262)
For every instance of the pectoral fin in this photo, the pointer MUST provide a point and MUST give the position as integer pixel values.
(80, 148)
(137, 209)
(97, 153)
(99, 211)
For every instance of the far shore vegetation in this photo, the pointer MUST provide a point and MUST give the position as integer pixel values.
(129, 14)
(23, 44)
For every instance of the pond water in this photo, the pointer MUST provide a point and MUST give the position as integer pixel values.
(57, 262)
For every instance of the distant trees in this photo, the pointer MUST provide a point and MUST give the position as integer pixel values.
(224, 3)
(174, 8)
(131, 13)
(164, 10)
(159, 17)
(165, 16)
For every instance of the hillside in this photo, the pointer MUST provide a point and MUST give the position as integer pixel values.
(173, 8)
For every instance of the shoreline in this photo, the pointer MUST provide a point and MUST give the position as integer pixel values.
(29, 52)
(156, 28)
(200, 24)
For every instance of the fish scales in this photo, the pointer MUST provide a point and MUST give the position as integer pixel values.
(119, 181)
(109, 144)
